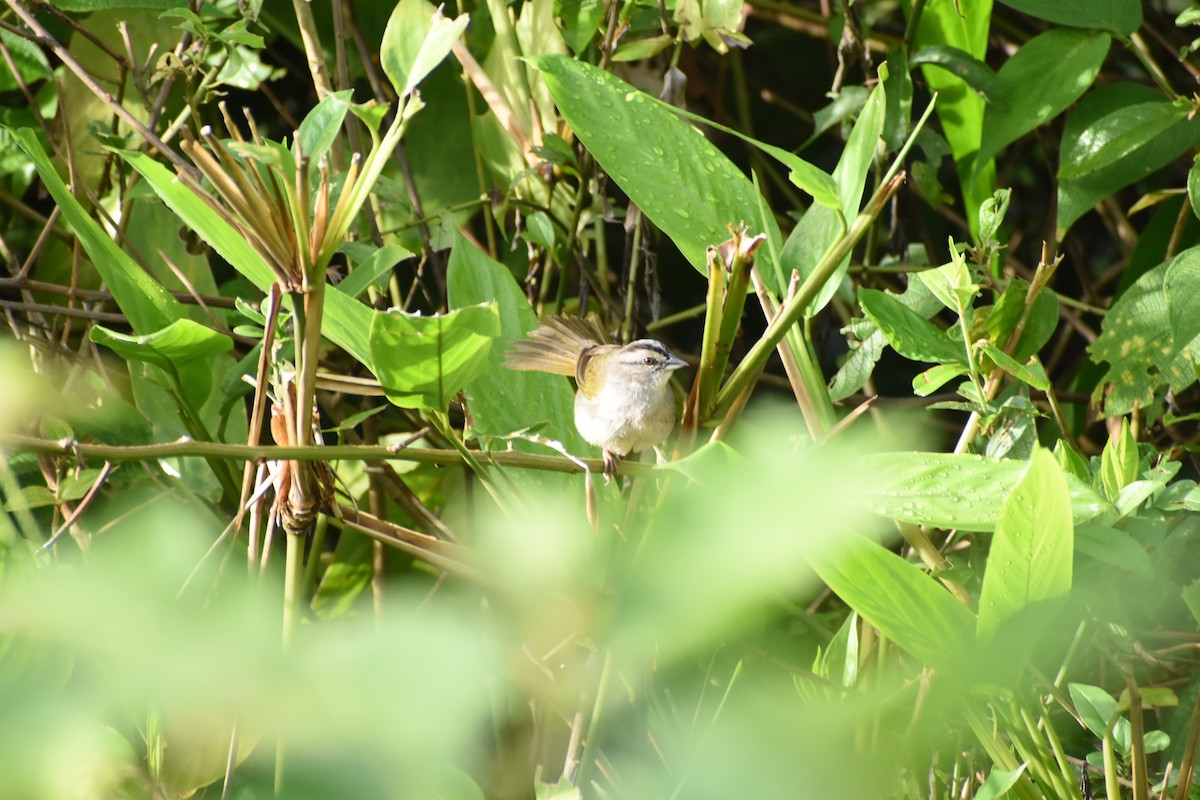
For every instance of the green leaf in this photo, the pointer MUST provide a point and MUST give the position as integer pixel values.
(1181, 285)
(999, 781)
(1191, 597)
(1122, 17)
(936, 377)
(821, 226)
(814, 180)
(637, 49)
(1032, 373)
(1094, 706)
(366, 273)
(910, 334)
(346, 322)
(175, 346)
(1151, 697)
(422, 362)
(1139, 342)
(1193, 186)
(1115, 135)
(345, 579)
(903, 602)
(320, 127)
(1049, 72)
(1115, 547)
(963, 492)
(1030, 557)
(415, 41)
(145, 302)
(1040, 325)
(683, 183)
(181, 350)
(28, 58)
(959, 108)
(1119, 462)
(971, 70)
(1078, 195)
(580, 20)
(502, 400)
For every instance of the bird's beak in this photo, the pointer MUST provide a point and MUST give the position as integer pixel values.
(675, 362)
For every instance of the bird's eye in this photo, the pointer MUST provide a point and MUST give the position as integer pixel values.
(648, 361)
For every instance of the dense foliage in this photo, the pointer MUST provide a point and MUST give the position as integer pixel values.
(279, 522)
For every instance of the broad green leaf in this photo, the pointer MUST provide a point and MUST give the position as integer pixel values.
(176, 345)
(839, 662)
(848, 103)
(321, 125)
(898, 88)
(971, 70)
(999, 781)
(1049, 72)
(1115, 135)
(29, 59)
(1181, 285)
(345, 579)
(145, 302)
(1115, 547)
(1030, 557)
(1095, 706)
(86, 6)
(374, 267)
(821, 226)
(936, 377)
(580, 20)
(422, 362)
(1119, 462)
(683, 183)
(1139, 343)
(1193, 186)
(1040, 325)
(1076, 196)
(903, 602)
(959, 108)
(963, 492)
(856, 371)
(814, 180)
(1032, 373)
(637, 49)
(1150, 697)
(910, 334)
(415, 41)
(346, 321)
(1122, 17)
(951, 284)
(1191, 597)
(181, 349)
(503, 401)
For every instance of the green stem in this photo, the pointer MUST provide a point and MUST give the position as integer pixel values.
(795, 309)
(591, 738)
(293, 574)
(245, 452)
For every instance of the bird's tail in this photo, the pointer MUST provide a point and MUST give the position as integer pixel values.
(555, 345)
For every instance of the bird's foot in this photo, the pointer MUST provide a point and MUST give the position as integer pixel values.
(610, 465)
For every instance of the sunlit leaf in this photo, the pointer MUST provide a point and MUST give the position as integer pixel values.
(1122, 17)
(905, 604)
(955, 491)
(1030, 556)
(415, 41)
(422, 362)
(910, 334)
(1049, 72)
(682, 182)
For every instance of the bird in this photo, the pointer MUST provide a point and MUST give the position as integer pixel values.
(624, 402)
